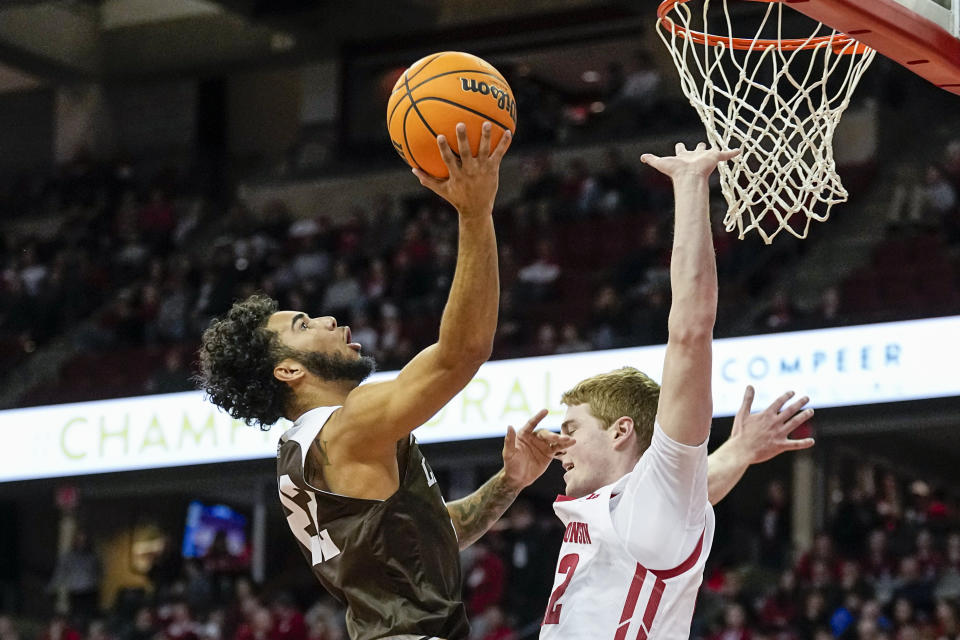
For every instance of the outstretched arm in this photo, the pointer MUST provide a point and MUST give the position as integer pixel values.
(755, 438)
(379, 414)
(686, 404)
(526, 455)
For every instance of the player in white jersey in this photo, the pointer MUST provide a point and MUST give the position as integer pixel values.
(637, 511)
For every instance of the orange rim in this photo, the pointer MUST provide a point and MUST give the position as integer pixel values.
(840, 42)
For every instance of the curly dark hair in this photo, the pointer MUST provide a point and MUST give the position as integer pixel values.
(237, 357)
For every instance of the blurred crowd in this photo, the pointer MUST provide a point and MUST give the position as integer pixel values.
(886, 567)
(913, 272)
(132, 263)
(135, 267)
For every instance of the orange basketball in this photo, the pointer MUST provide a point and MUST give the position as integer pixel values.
(436, 93)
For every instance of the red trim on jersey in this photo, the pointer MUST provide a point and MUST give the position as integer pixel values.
(563, 498)
(631, 603)
(686, 565)
(652, 605)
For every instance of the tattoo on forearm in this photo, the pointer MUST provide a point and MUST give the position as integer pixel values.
(477, 512)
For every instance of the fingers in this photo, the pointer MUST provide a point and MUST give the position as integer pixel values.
(747, 403)
(510, 442)
(483, 151)
(502, 146)
(533, 422)
(553, 444)
(652, 160)
(429, 181)
(555, 439)
(800, 443)
(447, 154)
(727, 155)
(777, 404)
(702, 146)
(796, 406)
(797, 420)
(463, 144)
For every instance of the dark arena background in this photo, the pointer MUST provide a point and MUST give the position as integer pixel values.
(159, 160)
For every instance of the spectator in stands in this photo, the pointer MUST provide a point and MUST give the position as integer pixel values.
(77, 574)
(946, 621)
(197, 586)
(638, 95)
(619, 186)
(143, 627)
(779, 315)
(98, 630)
(929, 560)
(324, 622)
(852, 580)
(545, 343)
(814, 616)
(923, 205)
(913, 587)
(780, 608)
(166, 567)
(289, 623)
(608, 321)
(579, 191)
(7, 630)
(539, 179)
(221, 565)
(570, 340)
(734, 624)
(343, 294)
(903, 613)
(171, 321)
(485, 578)
(492, 625)
(377, 282)
(258, 627)
(157, 221)
(821, 552)
(851, 522)
(60, 629)
(537, 281)
(846, 615)
(775, 527)
(889, 503)
(827, 313)
(180, 625)
(175, 375)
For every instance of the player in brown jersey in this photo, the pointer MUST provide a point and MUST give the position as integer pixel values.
(358, 495)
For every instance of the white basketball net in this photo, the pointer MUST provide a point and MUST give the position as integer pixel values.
(779, 106)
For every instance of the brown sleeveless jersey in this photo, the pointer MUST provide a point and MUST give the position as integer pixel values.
(395, 562)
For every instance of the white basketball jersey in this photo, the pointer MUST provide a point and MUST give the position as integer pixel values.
(601, 592)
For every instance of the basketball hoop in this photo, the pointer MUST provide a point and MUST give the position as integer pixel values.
(783, 99)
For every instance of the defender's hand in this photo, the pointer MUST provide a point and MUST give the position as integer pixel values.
(698, 163)
(765, 435)
(527, 453)
(472, 185)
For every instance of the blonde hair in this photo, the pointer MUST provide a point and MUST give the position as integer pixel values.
(623, 392)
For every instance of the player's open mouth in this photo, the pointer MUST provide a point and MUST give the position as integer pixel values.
(348, 338)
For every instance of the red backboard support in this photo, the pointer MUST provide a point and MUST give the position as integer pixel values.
(903, 35)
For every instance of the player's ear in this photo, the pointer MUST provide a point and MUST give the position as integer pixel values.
(288, 370)
(623, 433)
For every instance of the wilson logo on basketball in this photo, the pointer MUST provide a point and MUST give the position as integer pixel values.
(504, 101)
